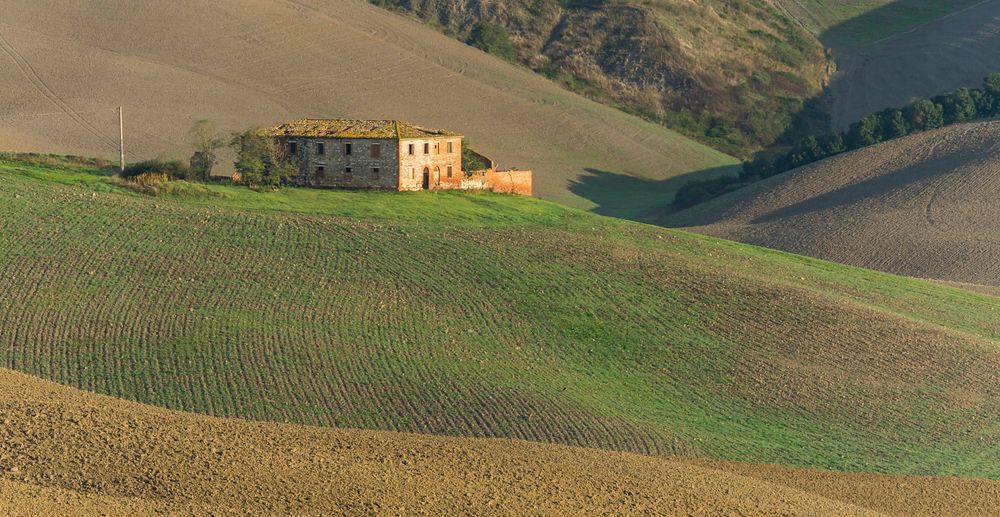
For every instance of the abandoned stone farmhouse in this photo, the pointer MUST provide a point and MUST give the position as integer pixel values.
(387, 154)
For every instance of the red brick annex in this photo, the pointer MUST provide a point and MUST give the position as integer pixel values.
(387, 154)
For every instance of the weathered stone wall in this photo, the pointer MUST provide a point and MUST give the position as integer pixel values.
(435, 161)
(332, 166)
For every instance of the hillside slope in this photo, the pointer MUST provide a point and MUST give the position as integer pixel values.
(922, 206)
(487, 315)
(850, 24)
(731, 74)
(72, 453)
(891, 52)
(253, 62)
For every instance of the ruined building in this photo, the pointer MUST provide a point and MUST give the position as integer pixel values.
(387, 154)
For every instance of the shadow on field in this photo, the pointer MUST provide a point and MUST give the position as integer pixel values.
(629, 197)
(891, 19)
(874, 188)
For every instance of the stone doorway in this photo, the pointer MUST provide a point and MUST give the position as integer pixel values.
(427, 178)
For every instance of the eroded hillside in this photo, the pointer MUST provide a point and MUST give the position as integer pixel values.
(732, 74)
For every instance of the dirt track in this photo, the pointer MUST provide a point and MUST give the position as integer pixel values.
(923, 206)
(66, 451)
(941, 56)
(252, 62)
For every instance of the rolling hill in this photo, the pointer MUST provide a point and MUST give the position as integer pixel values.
(922, 206)
(891, 52)
(72, 453)
(65, 66)
(488, 315)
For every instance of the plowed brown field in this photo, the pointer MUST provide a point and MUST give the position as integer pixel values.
(923, 206)
(69, 452)
(65, 66)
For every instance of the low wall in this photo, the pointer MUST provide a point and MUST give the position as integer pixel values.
(505, 182)
(509, 182)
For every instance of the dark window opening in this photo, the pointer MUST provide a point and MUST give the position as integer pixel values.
(411, 150)
(449, 171)
(293, 148)
(427, 148)
(320, 148)
(450, 148)
(376, 150)
(347, 148)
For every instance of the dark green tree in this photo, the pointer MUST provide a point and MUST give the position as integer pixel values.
(833, 144)
(894, 124)
(865, 132)
(493, 38)
(262, 160)
(958, 106)
(923, 115)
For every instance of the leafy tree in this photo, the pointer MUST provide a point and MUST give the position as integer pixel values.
(894, 124)
(833, 144)
(262, 160)
(811, 149)
(958, 106)
(923, 115)
(991, 84)
(206, 140)
(493, 38)
(865, 132)
(986, 103)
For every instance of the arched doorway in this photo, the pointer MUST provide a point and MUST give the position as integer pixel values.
(427, 178)
(437, 175)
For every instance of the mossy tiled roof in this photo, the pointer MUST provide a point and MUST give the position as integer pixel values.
(350, 128)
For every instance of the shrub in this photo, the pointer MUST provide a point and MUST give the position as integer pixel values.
(492, 38)
(261, 160)
(471, 160)
(172, 169)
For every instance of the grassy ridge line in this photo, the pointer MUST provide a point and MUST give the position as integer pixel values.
(490, 315)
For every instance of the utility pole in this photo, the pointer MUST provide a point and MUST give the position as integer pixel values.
(121, 139)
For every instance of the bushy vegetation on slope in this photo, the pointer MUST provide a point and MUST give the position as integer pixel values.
(490, 315)
(960, 106)
(733, 75)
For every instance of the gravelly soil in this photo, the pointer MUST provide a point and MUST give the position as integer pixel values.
(923, 206)
(70, 452)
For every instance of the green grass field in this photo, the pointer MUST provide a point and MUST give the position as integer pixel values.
(489, 315)
(852, 23)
